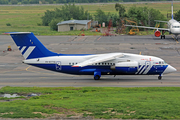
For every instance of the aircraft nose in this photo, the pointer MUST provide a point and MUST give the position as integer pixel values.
(169, 69)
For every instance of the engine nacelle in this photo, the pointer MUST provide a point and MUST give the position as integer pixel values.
(157, 33)
(127, 67)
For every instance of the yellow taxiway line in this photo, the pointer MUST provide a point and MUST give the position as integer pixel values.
(28, 68)
(36, 71)
(175, 39)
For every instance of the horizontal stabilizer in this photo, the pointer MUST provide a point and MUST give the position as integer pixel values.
(161, 21)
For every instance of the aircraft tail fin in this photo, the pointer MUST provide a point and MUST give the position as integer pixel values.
(172, 9)
(30, 46)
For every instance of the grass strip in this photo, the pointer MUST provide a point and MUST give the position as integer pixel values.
(98, 102)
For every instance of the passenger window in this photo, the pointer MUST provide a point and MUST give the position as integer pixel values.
(105, 63)
(95, 63)
(113, 63)
(99, 63)
(159, 62)
(72, 63)
(108, 63)
(69, 63)
(102, 63)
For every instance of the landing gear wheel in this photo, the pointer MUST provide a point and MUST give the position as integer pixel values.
(97, 77)
(162, 36)
(159, 77)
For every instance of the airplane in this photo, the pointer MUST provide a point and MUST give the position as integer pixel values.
(173, 27)
(36, 54)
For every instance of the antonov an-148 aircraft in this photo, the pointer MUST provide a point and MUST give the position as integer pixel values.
(36, 54)
(173, 27)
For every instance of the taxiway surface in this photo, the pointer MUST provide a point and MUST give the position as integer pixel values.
(14, 73)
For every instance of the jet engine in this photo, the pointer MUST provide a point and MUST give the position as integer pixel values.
(127, 67)
(157, 33)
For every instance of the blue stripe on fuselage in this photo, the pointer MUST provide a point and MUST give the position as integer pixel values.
(158, 69)
(89, 70)
(140, 69)
(145, 69)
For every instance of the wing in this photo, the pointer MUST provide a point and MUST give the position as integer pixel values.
(98, 59)
(161, 21)
(148, 27)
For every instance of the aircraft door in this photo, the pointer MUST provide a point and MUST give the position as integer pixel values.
(58, 65)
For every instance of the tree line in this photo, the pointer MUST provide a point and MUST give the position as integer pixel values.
(141, 15)
(67, 12)
(69, 1)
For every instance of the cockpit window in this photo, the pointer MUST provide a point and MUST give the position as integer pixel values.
(175, 26)
(162, 62)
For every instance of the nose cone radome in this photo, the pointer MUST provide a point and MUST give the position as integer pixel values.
(169, 69)
(176, 31)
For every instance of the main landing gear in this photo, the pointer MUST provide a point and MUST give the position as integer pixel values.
(163, 36)
(159, 77)
(97, 75)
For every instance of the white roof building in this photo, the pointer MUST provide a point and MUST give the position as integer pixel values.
(74, 25)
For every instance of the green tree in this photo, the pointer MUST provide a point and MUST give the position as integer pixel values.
(67, 12)
(121, 9)
(177, 16)
(46, 19)
(145, 16)
(14, 1)
(138, 14)
(100, 16)
(155, 15)
(53, 24)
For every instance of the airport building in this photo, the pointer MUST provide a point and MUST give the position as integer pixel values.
(74, 25)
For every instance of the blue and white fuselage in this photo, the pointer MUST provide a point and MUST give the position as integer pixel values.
(129, 64)
(36, 54)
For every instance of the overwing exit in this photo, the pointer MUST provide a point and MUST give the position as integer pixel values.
(36, 54)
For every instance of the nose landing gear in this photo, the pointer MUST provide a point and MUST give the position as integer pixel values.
(176, 37)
